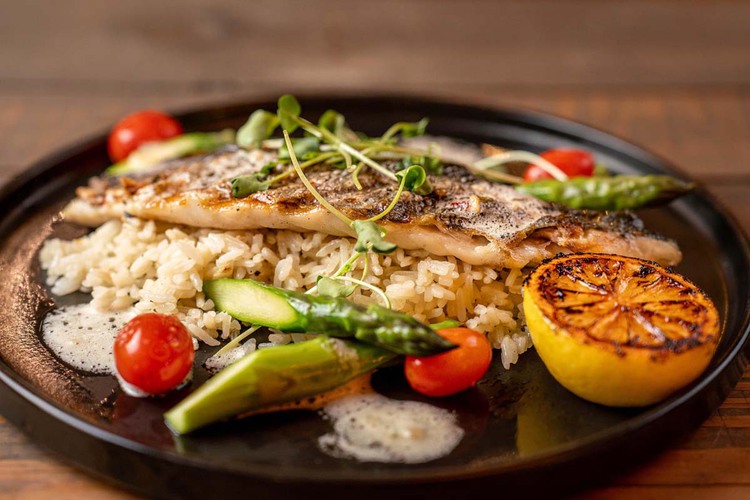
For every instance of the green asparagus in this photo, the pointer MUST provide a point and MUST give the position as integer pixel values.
(153, 153)
(608, 193)
(260, 304)
(274, 376)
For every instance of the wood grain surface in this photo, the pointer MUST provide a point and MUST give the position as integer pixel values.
(672, 76)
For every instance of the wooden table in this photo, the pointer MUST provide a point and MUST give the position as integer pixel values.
(672, 76)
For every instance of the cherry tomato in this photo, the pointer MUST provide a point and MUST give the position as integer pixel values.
(139, 128)
(454, 370)
(573, 162)
(154, 352)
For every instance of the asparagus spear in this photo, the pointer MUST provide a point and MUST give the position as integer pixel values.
(150, 154)
(260, 304)
(273, 376)
(609, 193)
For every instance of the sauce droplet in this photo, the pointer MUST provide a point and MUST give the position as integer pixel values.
(373, 428)
(83, 337)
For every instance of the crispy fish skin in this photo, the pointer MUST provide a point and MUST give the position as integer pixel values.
(479, 222)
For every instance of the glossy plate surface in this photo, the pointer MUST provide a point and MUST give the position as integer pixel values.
(522, 429)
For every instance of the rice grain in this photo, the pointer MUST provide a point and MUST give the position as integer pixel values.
(154, 267)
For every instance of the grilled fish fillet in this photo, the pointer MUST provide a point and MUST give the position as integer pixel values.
(479, 222)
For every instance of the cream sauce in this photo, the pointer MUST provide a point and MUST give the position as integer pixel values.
(366, 426)
(83, 337)
(373, 428)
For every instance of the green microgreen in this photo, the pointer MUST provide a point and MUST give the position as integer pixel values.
(349, 265)
(371, 236)
(414, 179)
(355, 175)
(304, 148)
(309, 186)
(288, 112)
(491, 163)
(489, 167)
(393, 202)
(432, 165)
(448, 323)
(344, 147)
(369, 286)
(332, 287)
(347, 161)
(235, 342)
(245, 185)
(259, 127)
(332, 143)
(405, 130)
(334, 122)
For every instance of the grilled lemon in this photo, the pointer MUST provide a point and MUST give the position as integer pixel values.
(619, 331)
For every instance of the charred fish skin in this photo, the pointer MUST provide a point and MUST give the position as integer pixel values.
(477, 221)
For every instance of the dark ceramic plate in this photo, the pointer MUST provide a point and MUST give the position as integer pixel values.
(522, 429)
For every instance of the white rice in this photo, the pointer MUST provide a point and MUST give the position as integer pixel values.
(155, 267)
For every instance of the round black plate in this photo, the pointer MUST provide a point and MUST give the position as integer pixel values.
(522, 429)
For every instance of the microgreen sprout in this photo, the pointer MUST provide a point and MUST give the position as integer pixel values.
(259, 127)
(245, 185)
(448, 323)
(334, 122)
(414, 179)
(288, 112)
(370, 236)
(332, 287)
(302, 147)
(235, 342)
(487, 164)
(309, 186)
(330, 142)
(369, 286)
(405, 129)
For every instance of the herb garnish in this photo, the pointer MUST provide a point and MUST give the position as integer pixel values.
(259, 127)
(370, 236)
(333, 143)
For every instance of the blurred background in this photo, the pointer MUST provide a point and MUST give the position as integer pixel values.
(671, 75)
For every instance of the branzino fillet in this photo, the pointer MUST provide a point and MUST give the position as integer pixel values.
(477, 221)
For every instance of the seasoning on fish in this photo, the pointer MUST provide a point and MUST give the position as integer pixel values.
(477, 221)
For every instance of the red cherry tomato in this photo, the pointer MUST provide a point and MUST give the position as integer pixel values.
(454, 370)
(573, 162)
(154, 352)
(139, 128)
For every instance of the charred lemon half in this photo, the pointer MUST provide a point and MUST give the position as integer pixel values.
(619, 331)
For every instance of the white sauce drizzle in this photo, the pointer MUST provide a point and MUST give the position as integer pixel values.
(83, 337)
(373, 428)
(216, 363)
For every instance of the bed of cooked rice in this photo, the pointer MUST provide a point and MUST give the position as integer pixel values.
(155, 267)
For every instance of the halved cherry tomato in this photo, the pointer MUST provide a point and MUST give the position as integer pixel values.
(154, 352)
(573, 162)
(454, 370)
(139, 128)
